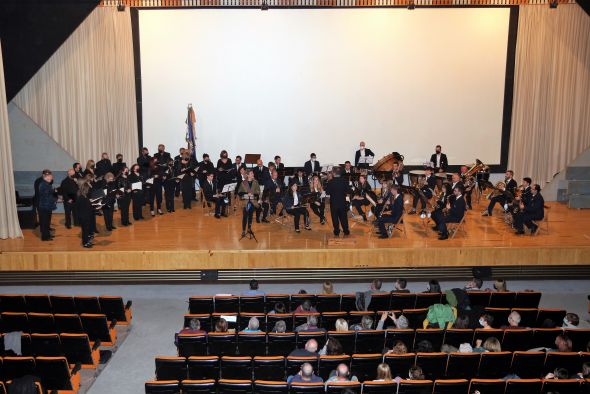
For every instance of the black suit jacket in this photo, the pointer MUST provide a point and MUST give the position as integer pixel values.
(536, 207)
(102, 167)
(511, 186)
(261, 175)
(337, 189)
(307, 168)
(163, 158)
(397, 208)
(209, 191)
(444, 163)
(357, 156)
(399, 180)
(457, 209)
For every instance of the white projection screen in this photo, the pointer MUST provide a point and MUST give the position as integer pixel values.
(295, 81)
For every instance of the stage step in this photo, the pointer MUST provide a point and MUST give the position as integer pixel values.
(578, 187)
(577, 173)
(579, 201)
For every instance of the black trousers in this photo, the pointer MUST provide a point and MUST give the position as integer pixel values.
(339, 218)
(219, 204)
(45, 223)
(107, 213)
(319, 210)
(501, 199)
(525, 219)
(137, 199)
(358, 204)
(187, 192)
(468, 197)
(86, 226)
(169, 193)
(70, 211)
(156, 194)
(442, 223)
(386, 219)
(297, 213)
(418, 197)
(123, 204)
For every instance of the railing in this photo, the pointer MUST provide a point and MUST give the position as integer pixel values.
(323, 3)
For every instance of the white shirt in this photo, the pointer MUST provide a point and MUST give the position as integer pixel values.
(295, 199)
(362, 152)
(438, 160)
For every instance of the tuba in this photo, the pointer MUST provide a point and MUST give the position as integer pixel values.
(469, 177)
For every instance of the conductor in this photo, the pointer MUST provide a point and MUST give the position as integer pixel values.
(338, 189)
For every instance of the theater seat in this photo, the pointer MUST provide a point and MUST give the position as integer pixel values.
(364, 366)
(203, 318)
(244, 319)
(462, 365)
(568, 360)
(99, 329)
(15, 367)
(203, 367)
(328, 303)
(404, 335)
(236, 368)
(424, 300)
(379, 302)
(370, 341)
(556, 315)
(41, 323)
(451, 386)
(561, 386)
(517, 340)
(528, 316)
(38, 303)
(114, 308)
(401, 363)
(528, 365)
(270, 387)
(222, 344)
(433, 335)
(63, 304)
(77, 349)
(307, 388)
(433, 364)
(281, 344)
(415, 317)
(68, 323)
(229, 386)
(271, 299)
(272, 319)
(329, 319)
(87, 304)
(482, 334)
(579, 336)
(504, 299)
(294, 364)
(252, 343)
(198, 386)
(191, 345)
(339, 387)
(200, 305)
(347, 302)
(304, 336)
(13, 303)
(415, 387)
(226, 304)
(494, 365)
(481, 298)
(456, 336)
(545, 337)
(15, 321)
(519, 386)
(329, 364)
(162, 387)
(379, 387)
(527, 299)
(487, 386)
(401, 301)
(48, 345)
(252, 304)
(271, 368)
(55, 374)
(171, 368)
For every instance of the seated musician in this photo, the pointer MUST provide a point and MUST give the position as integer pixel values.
(249, 190)
(300, 179)
(292, 203)
(454, 214)
(441, 202)
(397, 175)
(360, 196)
(468, 185)
(212, 195)
(394, 206)
(318, 206)
(534, 209)
(271, 196)
(348, 171)
(383, 197)
(503, 198)
(424, 191)
(522, 194)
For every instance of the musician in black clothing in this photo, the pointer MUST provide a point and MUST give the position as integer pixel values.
(300, 179)
(394, 209)
(505, 196)
(203, 168)
(137, 196)
(170, 184)
(441, 201)
(103, 166)
(162, 156)
(90, 170)
(318, 205)
(109, 201)
(85, 212)
(337, 188)
(361, 190)
(312, 166)
(212, 194)
(46, 204)
(124, 199)
(271, 195)
(224, 170)
(397, 175)
(249, 190)
(468, 185)
(156, 174)
(236, 169)
(36, 195)
(79, 173)
(69, 190)
(118, 165)
(294, 206)
(188, 173)
(261, 173)
(439, 160)
(347, 171)
(362, 152)
(456, 211)
(424, 190)
(177, 160)
(533, 210)
(144, 163)
(280, 167)
(522, 194)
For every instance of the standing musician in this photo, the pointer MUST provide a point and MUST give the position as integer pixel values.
(454, 214)
(280, 169)
(361, 190)
(292, 203)
(170, 185)
(162, 156)
(144, 162)
(362, 152)
(79, 174)
(224, 169)
(312, 166)
(118, 165)
(318, 206)
(271, 196)
(69, 190)
(156, 173)
(439, 160)
(212, 194)
(337, 188)
(397, 175)
(124, 199)
(103, 166)
(394, 209)
(136, 195)
(261, 173)
(502, 198)
(299, 179)
(85, 212)
(89, 171)
(424, 191)
(177, 160)
(249, 190)
(109, 201)
(533, 210)
(188, 173)
(467, 190)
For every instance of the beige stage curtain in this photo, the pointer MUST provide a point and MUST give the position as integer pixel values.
(9, 226)
(84, 96)
(551, 109)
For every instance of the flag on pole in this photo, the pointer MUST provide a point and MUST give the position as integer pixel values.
(190, 130)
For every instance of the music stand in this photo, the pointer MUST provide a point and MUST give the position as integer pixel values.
(366, 160)
(252, 158)
(249, 233)
(229, 187)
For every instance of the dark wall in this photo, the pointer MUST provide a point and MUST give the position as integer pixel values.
(31, 31)
(585, 4)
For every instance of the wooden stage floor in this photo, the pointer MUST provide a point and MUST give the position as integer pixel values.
(191, 240)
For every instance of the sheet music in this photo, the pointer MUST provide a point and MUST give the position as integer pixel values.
(228, 188)
(181, 176)
(366, 160)
(104, 191)
(136, 186)
(150, 181)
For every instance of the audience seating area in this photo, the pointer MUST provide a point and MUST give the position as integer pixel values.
(54, 372)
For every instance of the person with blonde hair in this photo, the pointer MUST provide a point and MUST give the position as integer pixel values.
(221, 325)
(383, 373)
(398, 348)
(492, 344)
(327, 287)
(341, 325)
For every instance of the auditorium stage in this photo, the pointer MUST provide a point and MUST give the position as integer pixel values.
(190, 240)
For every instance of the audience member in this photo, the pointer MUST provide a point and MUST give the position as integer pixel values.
(341, 374)
(327, 287)
(465, 348)
(193, 328)
(253, 325)
(221, 325)
(310, 350)
(280, 326)
(278, 308)
(491, 344)
(305, 375)
(424, 346)
(440, 316)
(333, 347)
(500, 286)
(558, 373)
(383, 373)
(486, 321)
(365, 324)
(416, 373)
(310, 325)
(513, 321)
(306, 307)
(585, 374)
(253, 289)
(399, 347)
(474, 284)
(363, 299)
(399, 323)
(563, 344)
(571, 320)
(400, 286)
(446, 348)
(548, 323)
(341, 325)
(433, 287)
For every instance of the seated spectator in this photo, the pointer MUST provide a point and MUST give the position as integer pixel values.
(327, 287)
(306, 307)
(440, 316)
(302, 291)
(341, 374)
(415, 373)
(305, 375)
(253, 325)
(341, 325)
(424, 346)
(585, 374)
(571, 320)
(311, 325)
(486, 321)
(333, 347)
(563, 344)
(399, 347)
(474, 284)
(311, 349)
(433, 287)
(363, 299)
(446, 348)
(221, 325)
(280, 326)
(500, 286)
(559, 373)
(375, 287)
(253, 289)
(398, 323)
(400, 286)
(462, 321)
(465, 348)
(513, 321)
(366, 324)
(278, 308)
(383, 373)
(491, 344)
(193, 328)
